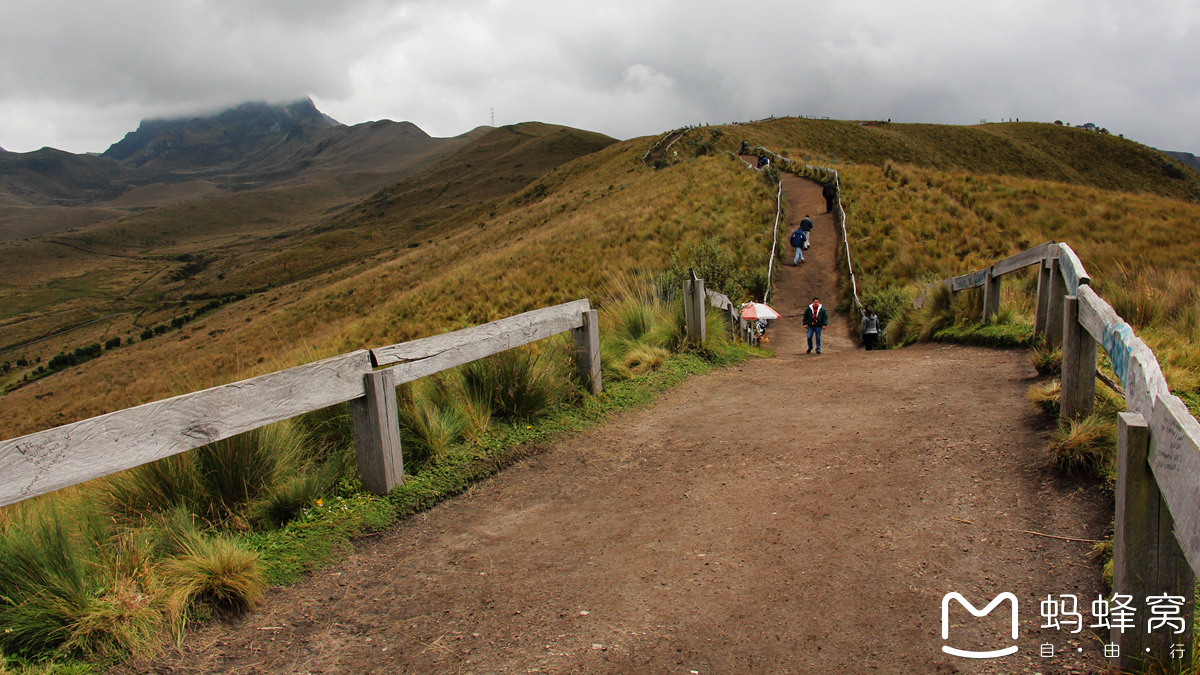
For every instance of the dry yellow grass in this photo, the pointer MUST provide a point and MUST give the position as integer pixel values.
(560, 239)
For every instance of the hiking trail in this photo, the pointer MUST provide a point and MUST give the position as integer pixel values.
(800, 514)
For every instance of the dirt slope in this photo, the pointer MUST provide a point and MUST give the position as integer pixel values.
(800, 514)
(817, 276)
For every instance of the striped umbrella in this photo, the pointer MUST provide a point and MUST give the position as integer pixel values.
(752, 311)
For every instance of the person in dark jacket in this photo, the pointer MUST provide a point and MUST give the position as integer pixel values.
(816, 318)
(806, 224)
(745, 149)
(829, 192)
(798, 239)
(870, 328)
(763, 161)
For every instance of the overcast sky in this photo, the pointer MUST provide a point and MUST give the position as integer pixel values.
(78, 74)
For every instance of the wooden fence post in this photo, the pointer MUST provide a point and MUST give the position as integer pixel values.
(693, 309)
(1078, 364)
(1054, 308)
(689, 311)
(991, 295)
(377, 433)
(587, 352)
(1147, 560)
(1043, 299)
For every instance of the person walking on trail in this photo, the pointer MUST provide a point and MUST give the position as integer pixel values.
(816, 318)
(763, 161)
(829, 192)
(870, 328)
(799, 240)
(745, 149)
(806, 224)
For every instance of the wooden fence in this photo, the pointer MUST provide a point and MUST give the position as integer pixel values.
(1157, 520)
(45, 461)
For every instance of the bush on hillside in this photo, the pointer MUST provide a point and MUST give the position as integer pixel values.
(713, 262)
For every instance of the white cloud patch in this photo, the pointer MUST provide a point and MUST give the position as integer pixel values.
(78, 74)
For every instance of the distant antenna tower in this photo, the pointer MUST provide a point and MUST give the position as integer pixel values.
(493, 117)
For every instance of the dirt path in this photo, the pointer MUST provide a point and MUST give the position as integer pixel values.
(796, 515)
(817, 276)
(659, 152)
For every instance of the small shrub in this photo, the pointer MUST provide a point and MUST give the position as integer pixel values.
(121, 620)
(889, 302)
(712, 262)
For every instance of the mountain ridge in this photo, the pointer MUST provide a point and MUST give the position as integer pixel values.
(248, 147)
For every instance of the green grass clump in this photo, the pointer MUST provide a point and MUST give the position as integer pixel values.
(260, 477)
(73, 583)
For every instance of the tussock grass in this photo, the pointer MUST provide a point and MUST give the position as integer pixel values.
(73, 583)
(214, 572)
(1046, 361)
(1087, 444)
(1047, 396)
(227, 483)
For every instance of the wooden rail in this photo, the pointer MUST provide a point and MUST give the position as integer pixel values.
(1157, 520)
(45, 461)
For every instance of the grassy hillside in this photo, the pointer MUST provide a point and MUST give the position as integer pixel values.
(926, 202)
(119, 278)
(562, 237)
(1023, 149)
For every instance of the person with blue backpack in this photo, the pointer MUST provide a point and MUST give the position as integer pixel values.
(799, 237)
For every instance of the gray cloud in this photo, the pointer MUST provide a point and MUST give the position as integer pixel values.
(77, 74)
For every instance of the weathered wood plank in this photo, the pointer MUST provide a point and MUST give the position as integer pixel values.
(1043, 298)
(991, 294)
(1147, 559)
(1022, 260)
(1131, 359)
(587, 352)
(496, 336)
(693, 309)
(1073, 272)
(441, 352)
(718, 300)
(48, 460)
(1078, 364)
(973, 280)
(1175, 460)
(1096, 315)
(1054, 307)
(377, 433)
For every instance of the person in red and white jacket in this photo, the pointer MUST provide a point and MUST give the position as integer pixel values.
(816, 318)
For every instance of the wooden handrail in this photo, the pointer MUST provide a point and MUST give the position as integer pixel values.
(1156, 551)
(44, 461)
